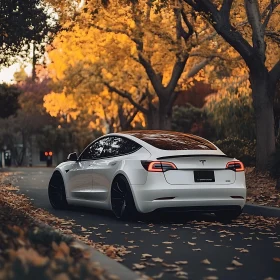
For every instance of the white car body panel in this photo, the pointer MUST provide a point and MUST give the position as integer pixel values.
(88, 182)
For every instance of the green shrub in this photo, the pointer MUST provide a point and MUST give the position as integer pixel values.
(190, 119)
(241, 149)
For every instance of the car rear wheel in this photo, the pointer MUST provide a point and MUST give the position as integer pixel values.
(228, 215)
(56, 191)
(122, 201)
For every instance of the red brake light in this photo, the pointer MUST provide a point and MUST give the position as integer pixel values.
(158, 166)
(237, 166)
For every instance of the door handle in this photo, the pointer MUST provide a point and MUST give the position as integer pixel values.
(113, 163)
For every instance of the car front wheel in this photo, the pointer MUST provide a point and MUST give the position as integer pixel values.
(122, 201)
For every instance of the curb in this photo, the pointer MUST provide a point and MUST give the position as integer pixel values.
(112, 267)
(259, 210)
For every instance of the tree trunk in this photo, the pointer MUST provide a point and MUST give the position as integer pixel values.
(263, 108)
(278, 184)
(152, 117)
(159, 117)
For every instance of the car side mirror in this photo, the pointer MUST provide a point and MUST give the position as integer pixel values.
(72, 157)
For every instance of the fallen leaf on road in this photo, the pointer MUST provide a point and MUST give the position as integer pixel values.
(167, 242)
(109, 231)
(181, 262)
(276, 259)
(146, 256)
(206, 261)
(192, 244)
(230, 268)
(138, 266)
(159, 260)
(244, 251)
(198, 249)
(167, 252)
(236, 263)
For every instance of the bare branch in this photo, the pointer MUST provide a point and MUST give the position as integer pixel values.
(196, 68)
(275, 36)
(222, 26)
(184, 34)
(269, 11)
(176, 73)
(154, 78)
(225, 9)
(128, 96)
(254, 18)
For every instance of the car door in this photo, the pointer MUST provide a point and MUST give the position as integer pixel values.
(116, 149)
(80, 175)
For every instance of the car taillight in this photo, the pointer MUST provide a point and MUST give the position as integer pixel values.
(237, 166)
(158, 166)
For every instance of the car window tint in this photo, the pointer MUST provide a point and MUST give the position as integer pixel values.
(94, 151)
(166, 140)
(117, 146)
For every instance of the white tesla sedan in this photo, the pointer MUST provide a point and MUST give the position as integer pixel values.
(147, 170)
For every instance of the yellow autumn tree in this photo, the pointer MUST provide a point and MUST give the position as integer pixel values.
(121, 47)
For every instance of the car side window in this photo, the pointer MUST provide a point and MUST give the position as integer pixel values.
(117, 146)
(94, 150)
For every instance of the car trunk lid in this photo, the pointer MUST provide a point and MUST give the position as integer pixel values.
(199, 169)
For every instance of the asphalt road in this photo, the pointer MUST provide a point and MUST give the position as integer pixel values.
(209, 247)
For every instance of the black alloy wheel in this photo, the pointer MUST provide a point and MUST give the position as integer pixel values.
(122, 201)
(56, 191)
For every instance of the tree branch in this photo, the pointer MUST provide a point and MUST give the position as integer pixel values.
(154, 78)
(254, 18)
(225, 9)
(196, 68)
(269, 10)
(222, 25)
(184, 34)
(176, 73)
(275, 36)
(128, 96)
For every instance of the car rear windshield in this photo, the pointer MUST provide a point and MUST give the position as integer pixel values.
(166, 140)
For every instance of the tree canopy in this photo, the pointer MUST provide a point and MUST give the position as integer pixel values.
(23, 23)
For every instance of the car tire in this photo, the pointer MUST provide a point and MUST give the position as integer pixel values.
(56, 192)
(228, 215)
(122, 202)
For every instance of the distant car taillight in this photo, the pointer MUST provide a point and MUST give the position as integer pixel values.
(158, 166)
(237, 166)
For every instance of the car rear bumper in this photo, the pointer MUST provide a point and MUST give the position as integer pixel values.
(158, 194)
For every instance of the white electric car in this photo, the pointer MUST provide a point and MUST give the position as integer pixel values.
(147, 170)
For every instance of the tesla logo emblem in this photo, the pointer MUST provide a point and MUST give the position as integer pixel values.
(202, 161)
